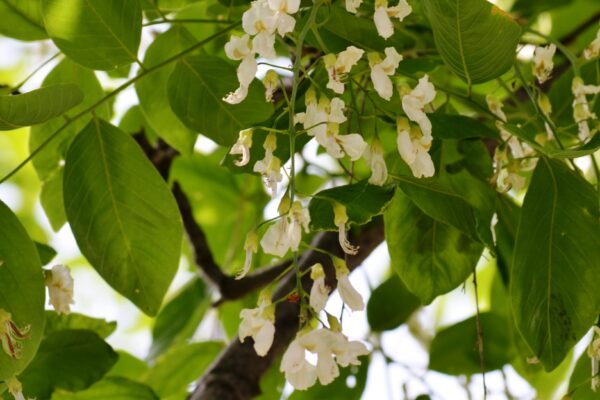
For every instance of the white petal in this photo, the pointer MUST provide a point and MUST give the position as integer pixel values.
(285, 23)
(379, 171)
(238, 47)
(336, 113)
(246, 71)
(275, 240)
(238, 96)
(383, 23)
(406, 148)
(400, 11)
(319, 294)
(264, 44)
(327, 369)
(349, 294)
(382, 82)
(353, 145)
(60, 289)
(352, 5)
(263, 339)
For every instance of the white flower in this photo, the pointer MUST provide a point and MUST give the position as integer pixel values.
(284, 22)
(341, 65)
(259, 323)
(383, 15)
(276, 239)
(414, 102)
(319, 293)
(337, 145)
(593, 49)
(350, 296)
(581, 108)
(374, 157)
(413, 147)
(542, 62)
(242, 146)
(270, 166)
(326, 344)
(382, 70)
(60, 288)
(507, 172)
(299, 218)
(352, 5)
(251, 247)
(271, 82)
(238, 47)
(11, 335)
(340, 218)
(298, 372)
(495, 107)
(246, 72)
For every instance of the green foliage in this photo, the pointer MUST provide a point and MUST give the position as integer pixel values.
(556, 254)
(59, 322)
(37, 106)
(99, 34)
(115, 388)
(122, 214)
(454, 350)
(196, 89)
(390, 305)
(22, 19)
(476, 39)
(70, 359)
(21, 290)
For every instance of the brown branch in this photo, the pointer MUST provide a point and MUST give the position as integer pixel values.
(236, 373)
(162, 156)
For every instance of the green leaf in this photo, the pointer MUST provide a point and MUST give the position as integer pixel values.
(68, 359)
(37, 106)
(128, 366)
(179, 318)
(455, 196)
(45, 252)
(455, 351)
(339, 388)
(476, 39)
(362, 200)
(180, 366)
(152, 89)
(584, 150)
(430, 257)
(506, 231)
(340, 29)
(122, 213)
(60, 322)
(22, 20)
(22, 291)
(99, 34)
(390, 305)
(114, 388)
(196, 90)
(446, 126)
(48, 163)
(554, 295)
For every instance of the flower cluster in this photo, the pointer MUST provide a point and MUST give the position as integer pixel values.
(581, 109)
(262, 22)
(11, 336)
(383, 14)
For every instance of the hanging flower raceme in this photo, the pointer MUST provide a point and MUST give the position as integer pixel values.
(242, 147)
(581, 108)
(383, 16)
(251, 247)
(381, 70)
(542, 62)
(239, 48)
(259, 323)
(319, 293)
(286, 233)
(414, 147)
(11, 336)
(340, 218)
(340, 65)
(60, 288)
(270, 166)
(332, 349)
(322, 120)
(350, 296)
(374, 156)
(414, 102)
(593, 49)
